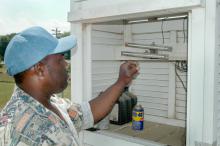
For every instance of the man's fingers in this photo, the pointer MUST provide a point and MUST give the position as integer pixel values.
(132, 68)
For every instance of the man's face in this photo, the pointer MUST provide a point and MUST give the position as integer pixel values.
(57, 73)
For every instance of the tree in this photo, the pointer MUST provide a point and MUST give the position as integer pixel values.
(68, 53)
(4, 40)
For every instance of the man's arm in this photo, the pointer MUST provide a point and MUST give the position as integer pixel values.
(104, 103)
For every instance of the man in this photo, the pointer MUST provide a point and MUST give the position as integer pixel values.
(34, 115)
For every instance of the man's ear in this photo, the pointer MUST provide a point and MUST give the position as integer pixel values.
(40, 69)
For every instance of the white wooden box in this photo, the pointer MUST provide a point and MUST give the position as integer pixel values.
(101, 36)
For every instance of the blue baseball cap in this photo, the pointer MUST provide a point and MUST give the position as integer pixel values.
(31, 46)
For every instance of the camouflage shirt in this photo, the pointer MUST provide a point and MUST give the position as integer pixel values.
(26, 122)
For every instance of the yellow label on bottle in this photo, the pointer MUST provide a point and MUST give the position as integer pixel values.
(138, 116)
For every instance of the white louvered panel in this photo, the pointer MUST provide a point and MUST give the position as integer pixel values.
(169, 33)
(181, 116)
(156, 106)
(100, 33)
(156, 88)
(105, 40)
(116, 29)
(151, 87)
(152, 84)
(150, 35)
(108, 76)
(153, 77)
(104, 74)
(154, 112)
(181, 96)
(152, 94)
(180, 103)
(156, 26)
(180, 91)
(149, 38)
(99, 64)
(181, 36)
(100, 52)
(162, 101)
(100, 88)
(181, 109)
(162, 83)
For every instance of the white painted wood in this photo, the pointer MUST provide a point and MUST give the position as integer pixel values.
(174, 25)
(127, 33)
(180, 103)
(156, 88)
(203, 77)
(76, 64)
(98, 10)
(103, 51)
(195, 95)
(163, 95)
(152, 83)
(156, 106)
(150, 90)
(154, 77)
(106, 39)
(181, 110)
(108, 28)
(87, 63)
(104, 74)
(172, 93)
(151, 33)
(106, 34)
(180, 96)
(162, 83)
(162, 101)
(209, 78)
(98, 3)
(217, 76)
(101, 138)
(163, 120)
(180, 116)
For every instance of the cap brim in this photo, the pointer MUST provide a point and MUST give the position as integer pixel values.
(65, 44)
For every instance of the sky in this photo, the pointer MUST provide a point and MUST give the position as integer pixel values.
(17, 15)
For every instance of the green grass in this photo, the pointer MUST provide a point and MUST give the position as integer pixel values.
(7, 86)
(5, 93)
(66, 93)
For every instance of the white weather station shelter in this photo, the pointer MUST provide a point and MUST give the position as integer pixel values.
(177, 45)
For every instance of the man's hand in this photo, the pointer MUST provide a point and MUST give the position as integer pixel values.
(128, 71)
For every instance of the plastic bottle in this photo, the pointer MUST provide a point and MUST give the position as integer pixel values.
(129, 107)
(118, 114)
(133, 100)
